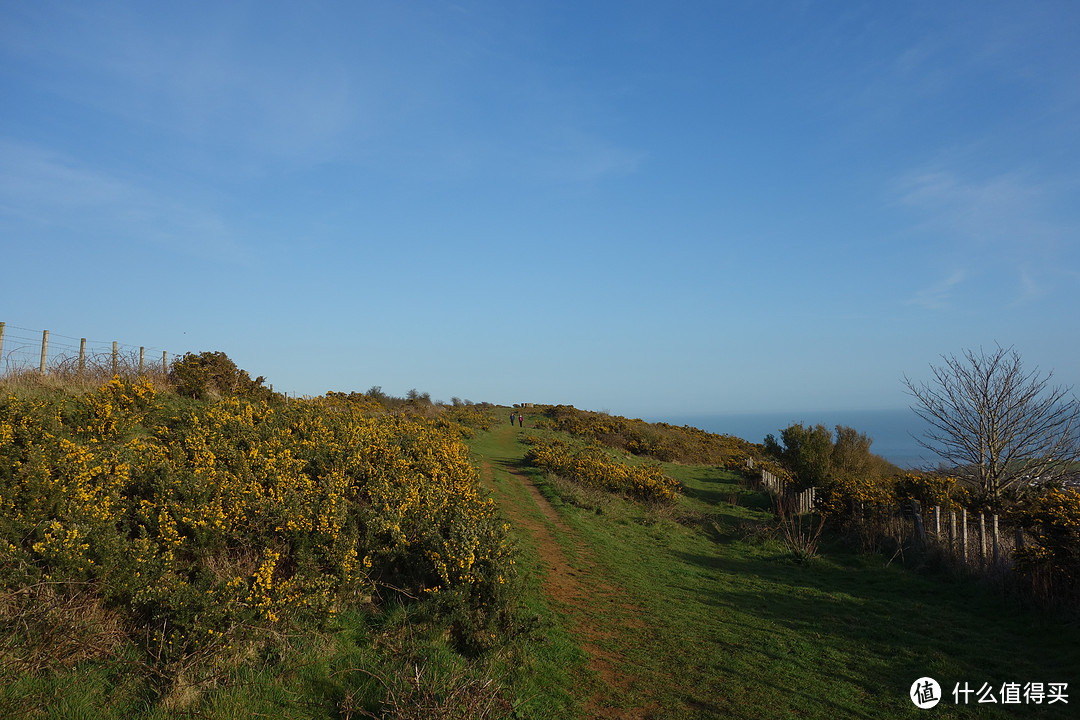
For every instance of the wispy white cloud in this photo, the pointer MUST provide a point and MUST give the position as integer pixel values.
(1008, 225)
(382, 87)
(575, 157)
(209, 80)
(1032, 285)
(43, 191)
(1005, 210)
(938, 295)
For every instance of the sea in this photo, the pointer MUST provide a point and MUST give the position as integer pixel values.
(893, 432)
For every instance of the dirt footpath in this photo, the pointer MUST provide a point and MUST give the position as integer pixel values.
(601, 614)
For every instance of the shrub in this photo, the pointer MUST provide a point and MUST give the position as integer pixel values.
(212, 375)
(593, 467)
(213, 526)
(660, 441)
(1052, 559)
(842, 497)
(928, 489)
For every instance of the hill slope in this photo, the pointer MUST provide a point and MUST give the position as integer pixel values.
(696, 611)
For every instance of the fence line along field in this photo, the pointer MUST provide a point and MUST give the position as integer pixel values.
(979, 542)
(25, 350)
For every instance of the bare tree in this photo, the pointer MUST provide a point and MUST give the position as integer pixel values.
(999, 425)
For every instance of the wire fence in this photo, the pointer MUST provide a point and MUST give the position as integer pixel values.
(25, 351)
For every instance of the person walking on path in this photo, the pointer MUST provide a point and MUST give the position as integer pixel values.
(511, 418)
(521, 421)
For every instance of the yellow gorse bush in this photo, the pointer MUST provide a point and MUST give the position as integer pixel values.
(1052, 522)
(841, 496)
(661, 441)
(845, 496)
(206, 523)
(594, 467)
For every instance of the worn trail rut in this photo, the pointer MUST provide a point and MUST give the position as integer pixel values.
(602, 615)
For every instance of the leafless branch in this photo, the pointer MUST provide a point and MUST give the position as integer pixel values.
(998, 424)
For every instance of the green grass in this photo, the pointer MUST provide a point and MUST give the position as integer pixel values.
(734, 626)
(545, 684)
(394, 662)
(706, 611)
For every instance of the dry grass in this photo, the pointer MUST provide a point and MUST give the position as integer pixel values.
(416, 692)
(586, 497)
(51, 625)
(66, 373)
(801, 532)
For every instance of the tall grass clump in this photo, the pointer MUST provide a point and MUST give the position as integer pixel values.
(801, 532)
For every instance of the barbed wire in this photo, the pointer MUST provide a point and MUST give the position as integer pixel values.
(37, 335)
(21, 348)
(20, 352)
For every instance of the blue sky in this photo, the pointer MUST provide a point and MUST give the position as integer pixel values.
(647, 208)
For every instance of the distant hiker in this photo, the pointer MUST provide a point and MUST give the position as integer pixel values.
(521, 421)
(511, 418)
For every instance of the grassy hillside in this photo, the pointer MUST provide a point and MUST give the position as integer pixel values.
(365, 556)
(708, 614)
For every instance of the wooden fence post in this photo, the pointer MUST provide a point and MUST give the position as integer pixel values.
(997, 543)
(82, 355)
(114, 357)
(2, 340)
(982, 540)
(952, 532)
(963, 535)
(937, 523)
(165, 362)
(920, 530)
(44, 349)
(142, 354)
